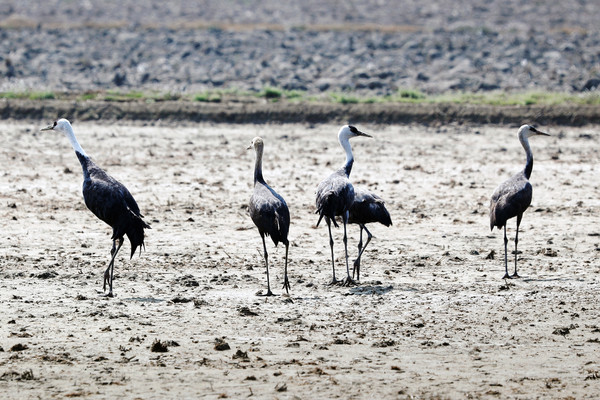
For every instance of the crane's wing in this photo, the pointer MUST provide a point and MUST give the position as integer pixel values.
(510, 199)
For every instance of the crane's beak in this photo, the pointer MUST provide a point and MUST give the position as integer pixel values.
(249, 147)
(48, 128)
(539, 132)
(364, 134)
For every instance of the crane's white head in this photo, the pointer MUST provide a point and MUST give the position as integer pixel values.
(527, 131)
(61, 125)
(64, 126)
(257, 143)
(348, 131)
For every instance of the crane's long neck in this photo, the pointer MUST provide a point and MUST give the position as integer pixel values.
(76, 146)
(529, 163)
(258, 176)
(81, 155)
(345, 142)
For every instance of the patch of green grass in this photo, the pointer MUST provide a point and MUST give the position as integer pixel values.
(271, 93)
(276, 94)
(42, 96)
(28, 95)
(88, 96)
(499, 98)
(10, 95)
(408, 95)
(208, 97)
(115, 95)
(294, 94)
(345, 98)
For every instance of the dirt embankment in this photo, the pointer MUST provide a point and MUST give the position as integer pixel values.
(288, 112)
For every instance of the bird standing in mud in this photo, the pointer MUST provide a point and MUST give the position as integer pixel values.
(269, 212)
(109, 200)
(366, 208)
(335, 195)
(513, 196)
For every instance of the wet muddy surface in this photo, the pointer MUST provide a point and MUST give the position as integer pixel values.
(431, 317)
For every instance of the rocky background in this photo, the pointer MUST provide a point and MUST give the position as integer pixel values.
(371, 47)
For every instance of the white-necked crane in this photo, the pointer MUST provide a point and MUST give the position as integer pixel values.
(269, 212)
(335, 195)
(513, 196)
(109, 200)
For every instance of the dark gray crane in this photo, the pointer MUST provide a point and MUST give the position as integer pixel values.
(109, 200)
(335, 195)
(513, 196)
(366, 208)
(269, 212)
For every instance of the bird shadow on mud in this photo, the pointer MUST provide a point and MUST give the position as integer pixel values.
(370, 290)
(566, 279)
(144, 299)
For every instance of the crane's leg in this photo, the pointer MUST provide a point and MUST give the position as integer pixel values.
(109, 273)
(286, 282)
(357, 262)
(349, 281)
(333, 281)
(269, 293)
(515, 275)
(506, 276)
(112, 260)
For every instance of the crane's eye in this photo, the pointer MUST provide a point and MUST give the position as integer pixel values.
(352, 129)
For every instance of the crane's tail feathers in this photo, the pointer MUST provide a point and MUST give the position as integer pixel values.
(387, 219)
(320, 218)
(329, 219)
(135, 233)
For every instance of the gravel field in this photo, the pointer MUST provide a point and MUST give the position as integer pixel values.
(368, 47)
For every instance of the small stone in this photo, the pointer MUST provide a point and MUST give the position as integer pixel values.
(221, 345)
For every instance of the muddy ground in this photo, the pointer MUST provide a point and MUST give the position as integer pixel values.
(431, 317)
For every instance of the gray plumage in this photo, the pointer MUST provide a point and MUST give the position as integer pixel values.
(513, 196)
(335, 195)
(110, 201)
(269, 212)
(366, 208)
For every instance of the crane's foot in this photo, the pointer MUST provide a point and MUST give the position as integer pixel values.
(506, 276)
(334, 282)
(269, 293)
(109, 294)
(348, 282)
(286, 285)
(515, 276)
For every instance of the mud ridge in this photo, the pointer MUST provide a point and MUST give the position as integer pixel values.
(286, 112)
